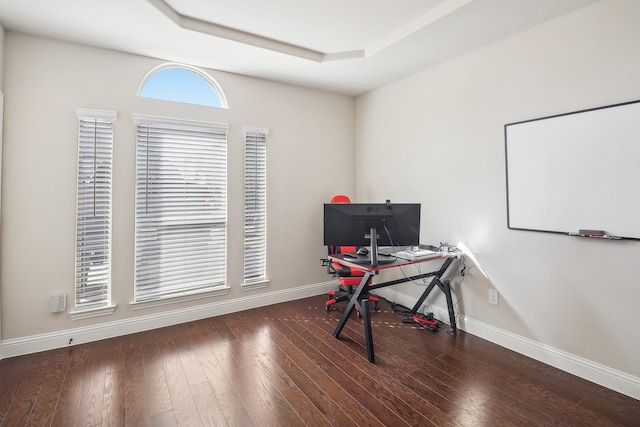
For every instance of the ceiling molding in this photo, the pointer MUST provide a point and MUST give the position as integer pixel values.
(245, 37)
(423, 21)
(216, 30)
(351, 53)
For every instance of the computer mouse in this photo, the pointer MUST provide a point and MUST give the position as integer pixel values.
(363, 251)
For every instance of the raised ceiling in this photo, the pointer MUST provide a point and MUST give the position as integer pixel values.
(343, 46)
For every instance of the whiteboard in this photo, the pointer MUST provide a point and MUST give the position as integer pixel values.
(574, 171)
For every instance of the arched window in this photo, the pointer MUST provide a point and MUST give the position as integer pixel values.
(180, 83)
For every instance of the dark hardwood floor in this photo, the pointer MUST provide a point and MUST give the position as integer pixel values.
(280, 366)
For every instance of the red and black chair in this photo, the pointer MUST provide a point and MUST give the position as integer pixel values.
(347, 277)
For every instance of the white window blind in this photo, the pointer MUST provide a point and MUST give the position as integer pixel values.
(181, 209)
(255, 206)
(93, 211)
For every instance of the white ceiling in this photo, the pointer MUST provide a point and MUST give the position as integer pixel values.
(343, 46)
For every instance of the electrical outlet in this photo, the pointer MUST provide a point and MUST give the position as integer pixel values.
(58, 303)
(493, 297)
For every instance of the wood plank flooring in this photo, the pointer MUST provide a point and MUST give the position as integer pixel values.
(280, 366)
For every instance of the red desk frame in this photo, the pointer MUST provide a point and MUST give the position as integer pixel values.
(364, 287)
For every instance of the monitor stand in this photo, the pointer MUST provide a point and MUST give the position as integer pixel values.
(373, 252)
(374, 260)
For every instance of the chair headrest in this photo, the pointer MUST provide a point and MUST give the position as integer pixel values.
(340, 199)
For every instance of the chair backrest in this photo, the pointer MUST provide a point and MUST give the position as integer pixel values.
(348, 276)
(341, 249)
(340, 199)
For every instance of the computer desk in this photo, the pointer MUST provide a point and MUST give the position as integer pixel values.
(364, 287)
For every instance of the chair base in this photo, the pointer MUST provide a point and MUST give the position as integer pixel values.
(345, 295)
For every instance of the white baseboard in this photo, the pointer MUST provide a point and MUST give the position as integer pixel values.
(575, 365)
(583, 368)
(53, 340)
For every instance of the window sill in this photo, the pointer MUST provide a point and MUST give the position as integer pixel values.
(92, 312)
(249, 286)
(136, 305)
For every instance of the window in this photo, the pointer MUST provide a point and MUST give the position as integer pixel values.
(255, 207)
(180, 83)
(93, 214)
(181, 210)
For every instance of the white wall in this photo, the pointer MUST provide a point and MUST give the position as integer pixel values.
(438, 137)
(45, 81)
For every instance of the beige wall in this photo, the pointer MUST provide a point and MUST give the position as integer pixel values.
(577, 296)
(1, 134)
(45, 81)
(1, 57)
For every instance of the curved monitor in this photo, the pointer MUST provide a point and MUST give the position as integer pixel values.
(350, 224)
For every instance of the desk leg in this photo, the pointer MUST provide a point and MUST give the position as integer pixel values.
(368, 336)
(446, 288)
(352, 303)
(435, 281)
(424, 295)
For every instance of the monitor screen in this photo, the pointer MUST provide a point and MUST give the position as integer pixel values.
(349, 224)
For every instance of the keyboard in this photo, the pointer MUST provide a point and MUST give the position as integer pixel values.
(412, 254)
(365, 259)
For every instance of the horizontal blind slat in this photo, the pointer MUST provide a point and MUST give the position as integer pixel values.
(180, 209)
(93, 212)
(255, 205)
